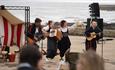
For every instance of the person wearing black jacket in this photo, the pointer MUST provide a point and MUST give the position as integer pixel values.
(92, 44)
(35, 32)
(25, 66)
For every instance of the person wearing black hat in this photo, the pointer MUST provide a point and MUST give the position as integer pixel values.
(35, 32)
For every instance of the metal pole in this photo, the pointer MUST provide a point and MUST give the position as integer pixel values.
(27, 21)
(102, 46)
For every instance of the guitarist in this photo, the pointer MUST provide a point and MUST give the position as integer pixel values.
(35, 32)
(92, 42)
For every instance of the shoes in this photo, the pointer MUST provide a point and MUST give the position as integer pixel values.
(62, 59)
(48, 59)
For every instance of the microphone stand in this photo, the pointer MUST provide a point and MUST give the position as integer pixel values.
(101, 42)
(102, 46)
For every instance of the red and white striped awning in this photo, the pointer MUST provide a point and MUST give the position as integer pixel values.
(12, 32)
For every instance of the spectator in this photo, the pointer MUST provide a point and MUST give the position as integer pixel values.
(30, 58)
(90, 61)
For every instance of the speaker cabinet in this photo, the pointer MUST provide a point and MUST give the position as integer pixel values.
(98, 20)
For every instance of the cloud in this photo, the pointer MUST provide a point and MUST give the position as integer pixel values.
(75, 0)
(85, 1)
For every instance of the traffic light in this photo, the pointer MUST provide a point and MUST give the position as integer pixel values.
(94, 10)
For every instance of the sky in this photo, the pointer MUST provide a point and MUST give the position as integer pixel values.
(102, 1)
(87, 1)
(78, 1)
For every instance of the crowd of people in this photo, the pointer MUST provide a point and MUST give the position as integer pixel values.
(31, 58)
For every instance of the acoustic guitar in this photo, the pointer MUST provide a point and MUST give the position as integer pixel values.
(58, 34)
(37, 38)
(36, 41)
(92, 36)
(54, 33)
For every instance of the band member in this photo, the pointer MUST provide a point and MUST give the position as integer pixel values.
(92, 35)
(51, 41)
(64, 44)
(35, 31)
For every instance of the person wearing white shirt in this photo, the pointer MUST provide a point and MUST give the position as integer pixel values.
(51, 41)
(64, 44)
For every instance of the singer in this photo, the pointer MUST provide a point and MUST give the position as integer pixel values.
(93, 34)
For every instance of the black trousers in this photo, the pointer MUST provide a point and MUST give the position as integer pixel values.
(64, 45)
(91, 45)
(51, 47)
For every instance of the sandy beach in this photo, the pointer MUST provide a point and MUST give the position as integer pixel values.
(77, 46)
